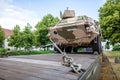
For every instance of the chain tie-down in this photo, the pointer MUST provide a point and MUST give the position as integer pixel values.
(68, 61)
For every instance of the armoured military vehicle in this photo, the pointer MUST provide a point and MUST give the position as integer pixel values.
(73, 32)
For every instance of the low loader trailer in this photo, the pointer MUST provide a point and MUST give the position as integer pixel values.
(49, 67)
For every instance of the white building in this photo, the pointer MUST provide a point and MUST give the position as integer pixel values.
(8, 33)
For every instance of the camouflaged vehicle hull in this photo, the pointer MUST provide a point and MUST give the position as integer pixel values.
(73, 32)
(78, 32)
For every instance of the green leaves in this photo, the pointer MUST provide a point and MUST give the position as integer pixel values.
(116, 47)
(110, 20)
(15, 38)
(20, 39)
(42, 28)
(28, 38)
(2, 37)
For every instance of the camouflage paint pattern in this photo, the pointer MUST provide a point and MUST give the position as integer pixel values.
(75, 31)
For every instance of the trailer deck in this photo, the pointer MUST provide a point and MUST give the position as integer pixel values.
(42, 67)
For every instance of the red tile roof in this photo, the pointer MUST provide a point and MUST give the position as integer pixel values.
(7, 32)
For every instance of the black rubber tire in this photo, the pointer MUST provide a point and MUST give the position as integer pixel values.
(96, 45)
(68, 49)
(75, 49)
(62, 48)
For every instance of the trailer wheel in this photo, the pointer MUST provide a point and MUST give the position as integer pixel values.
(75, 49)
(68, 49)
(96, 45)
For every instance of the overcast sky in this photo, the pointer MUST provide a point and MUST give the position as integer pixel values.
(21, 12)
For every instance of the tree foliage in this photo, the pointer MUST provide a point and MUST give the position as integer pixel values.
(2, 37)
(110, 20)
(42, 28)
(36, 38)
(16, 38)
(116, 47)
(21, 39)
(107, 45)
(27, 37)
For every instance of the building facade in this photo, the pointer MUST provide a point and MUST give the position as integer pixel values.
(8, 33)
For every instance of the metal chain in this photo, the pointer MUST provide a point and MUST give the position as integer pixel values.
(68, 61)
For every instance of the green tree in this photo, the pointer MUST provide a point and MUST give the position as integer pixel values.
(116, 47)
(15, 39)
(27, 37)
(107, 45)
(42, 28)
(109, 19)
(2, 37)
(36, 42)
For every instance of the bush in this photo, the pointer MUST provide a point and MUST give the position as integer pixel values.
(116, 47)
(2, 50)
(15, 53)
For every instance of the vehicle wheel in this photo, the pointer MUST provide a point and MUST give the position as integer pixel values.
(96, 45)
(75, 49)
(68, 49)
(62, 48)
